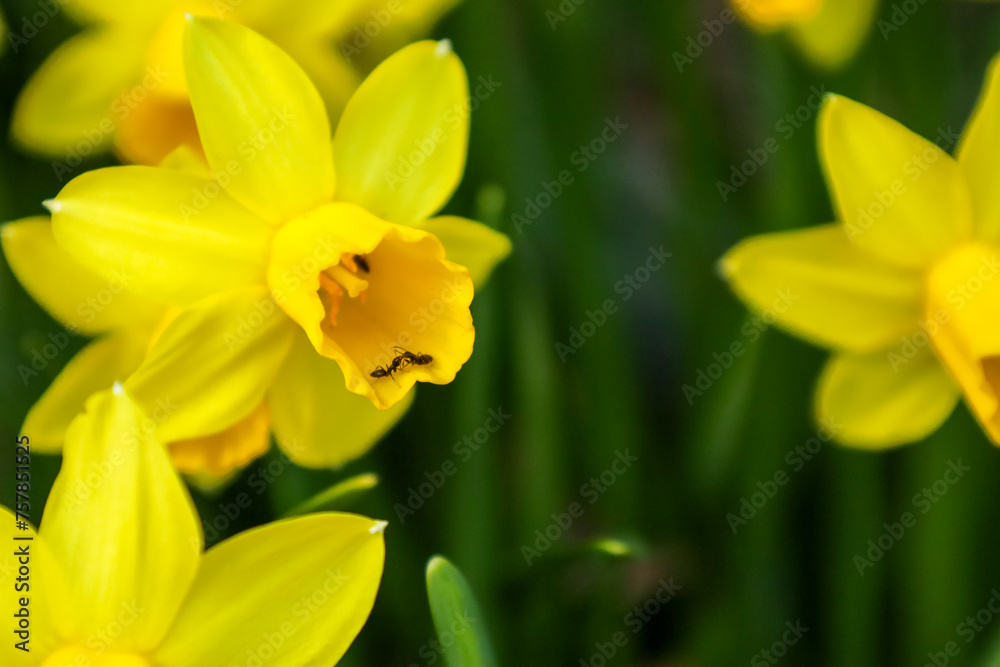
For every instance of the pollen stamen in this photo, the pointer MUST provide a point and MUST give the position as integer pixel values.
(337, 280)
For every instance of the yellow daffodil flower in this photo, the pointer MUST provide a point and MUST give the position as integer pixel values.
(124, 326)
(121, 81)
(904, 289)
(291, 283)
(115, 576)
(828, 32)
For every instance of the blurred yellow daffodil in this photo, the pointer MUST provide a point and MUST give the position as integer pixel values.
(124, 326)
(905, 288)
(121, 81)
(828, 32)
(117, 576)
(290, 283)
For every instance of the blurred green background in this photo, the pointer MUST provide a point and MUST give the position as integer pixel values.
(663, 520)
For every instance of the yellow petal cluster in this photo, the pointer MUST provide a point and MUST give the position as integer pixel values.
(118, 577)
(276, 283)
(904, 288)
(121, 83)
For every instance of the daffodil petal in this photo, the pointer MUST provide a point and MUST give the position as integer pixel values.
(899, 196)
(261, 120)
(977, 154)
(119, 11)
(171, 237)
(297, 590)
(414, 18)
(120, 522)
(96, 367)
(187, 160)
(773, 14)
(68, 108)
(44, 581)
(814, 283)
(215, 455)
(212, 364)
(876, 400)
(81, 300)
(311, 18)
(834, 34)
(963, 294)
(476, 246)
(318, 423)
(333, 76)
(400, 145)
(154, 127)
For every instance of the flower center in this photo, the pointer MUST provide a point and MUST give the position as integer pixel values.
(339, 279)
(380, 299)
(74, 656)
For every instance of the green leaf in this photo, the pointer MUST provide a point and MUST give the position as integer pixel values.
(459, 623)
(337, 497)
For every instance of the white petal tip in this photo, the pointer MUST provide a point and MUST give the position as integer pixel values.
(117, 389)
(378, 528)
(443, 48)
(52, 205)
(188, 16)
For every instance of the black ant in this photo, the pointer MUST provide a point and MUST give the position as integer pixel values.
(418, 359)
(362, 263)
(401, 361)
(387, 371)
